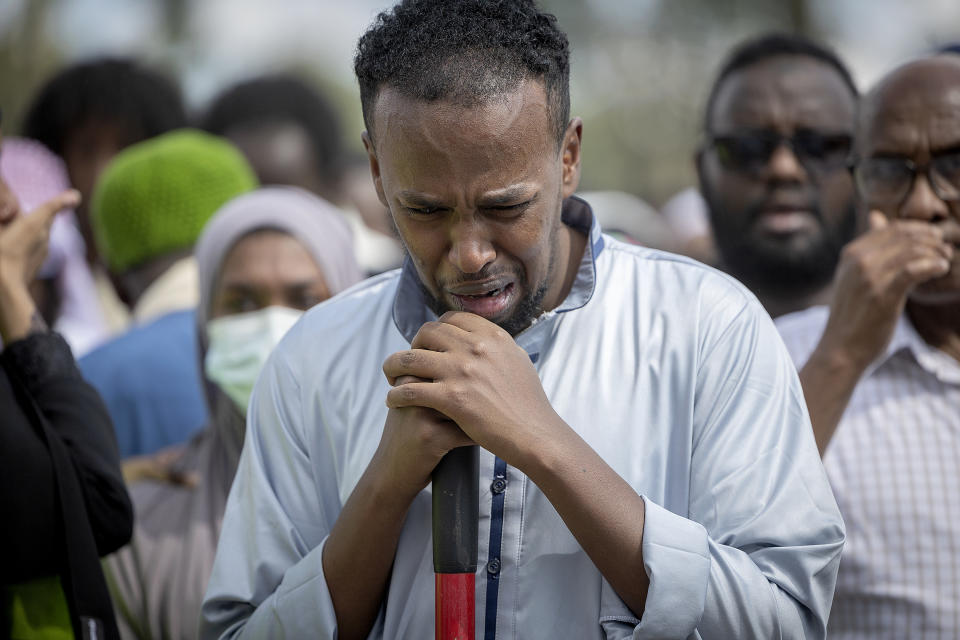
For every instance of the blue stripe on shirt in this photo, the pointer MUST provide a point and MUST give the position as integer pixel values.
(496, 535)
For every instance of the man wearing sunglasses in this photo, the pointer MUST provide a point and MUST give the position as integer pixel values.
(883, 382)
(772, 167)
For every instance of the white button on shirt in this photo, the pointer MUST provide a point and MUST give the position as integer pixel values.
(894, 464)
(671, 371)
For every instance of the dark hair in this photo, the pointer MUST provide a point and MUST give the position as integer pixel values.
(754, 50)
(466, 51)
(280, 99)
(141, 102)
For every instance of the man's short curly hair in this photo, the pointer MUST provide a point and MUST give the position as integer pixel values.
(466, 52)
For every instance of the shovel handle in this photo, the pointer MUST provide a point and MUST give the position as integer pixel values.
(456, 507)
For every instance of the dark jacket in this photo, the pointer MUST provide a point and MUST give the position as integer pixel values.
(62, 495)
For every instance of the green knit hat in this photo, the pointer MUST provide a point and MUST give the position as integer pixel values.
(155, 196)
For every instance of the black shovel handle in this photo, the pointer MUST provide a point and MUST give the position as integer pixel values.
(456, 507)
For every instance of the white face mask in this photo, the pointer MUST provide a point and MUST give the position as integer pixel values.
(239, 345)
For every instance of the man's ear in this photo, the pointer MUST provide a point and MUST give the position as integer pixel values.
(374, 167)
(571, 157)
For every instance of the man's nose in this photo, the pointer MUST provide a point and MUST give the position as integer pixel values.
(784, 166)
(923, 203)
(470, 246)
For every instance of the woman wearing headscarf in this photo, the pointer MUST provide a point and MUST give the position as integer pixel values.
(263, 259)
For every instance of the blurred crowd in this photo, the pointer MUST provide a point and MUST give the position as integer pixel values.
(151, 260)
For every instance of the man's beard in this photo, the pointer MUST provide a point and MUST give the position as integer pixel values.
(524, 313)
(527, 309)
(769, 267)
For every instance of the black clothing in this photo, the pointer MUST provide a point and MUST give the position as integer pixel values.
(62, 495)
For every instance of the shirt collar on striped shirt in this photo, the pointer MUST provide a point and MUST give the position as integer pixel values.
(931, 359)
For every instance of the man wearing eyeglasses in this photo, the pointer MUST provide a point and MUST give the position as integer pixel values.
(778, 130)
(883, 382)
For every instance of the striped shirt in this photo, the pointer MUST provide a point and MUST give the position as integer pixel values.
(894, 465)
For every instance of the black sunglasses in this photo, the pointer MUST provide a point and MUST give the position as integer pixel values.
(750, 152)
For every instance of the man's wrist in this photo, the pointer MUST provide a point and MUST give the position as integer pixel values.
(839, 362)
(550, 455)
(384, 490)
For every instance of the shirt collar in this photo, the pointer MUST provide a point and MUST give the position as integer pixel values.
(932, 360)
(410, 311)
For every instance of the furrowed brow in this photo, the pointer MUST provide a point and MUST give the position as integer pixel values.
(509, 196)
(417, 199)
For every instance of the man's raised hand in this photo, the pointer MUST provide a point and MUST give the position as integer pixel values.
(877, 271)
